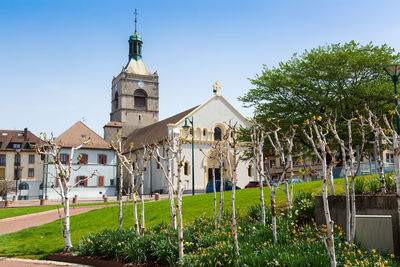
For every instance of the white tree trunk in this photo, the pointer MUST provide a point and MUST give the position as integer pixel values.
(380, 162)
(67, 232)
(120, 215)
(134, 200)
(331, 182)
(273, 213)
(143, 227)
(221, 191)
(234, 223)
(180, 220)
(329, 222)
(215, 200)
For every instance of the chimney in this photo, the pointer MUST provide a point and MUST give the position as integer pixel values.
(25, 134)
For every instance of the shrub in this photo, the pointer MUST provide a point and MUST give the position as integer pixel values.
(254, 213)
(359, 185)
(303, 205)
(373, 185)
(390, 181)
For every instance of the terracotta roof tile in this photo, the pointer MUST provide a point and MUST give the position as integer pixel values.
(80, 132)
(116, 124)
(155, 132)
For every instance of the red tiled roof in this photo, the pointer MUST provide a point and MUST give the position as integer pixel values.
(80, 132)
(24, 137)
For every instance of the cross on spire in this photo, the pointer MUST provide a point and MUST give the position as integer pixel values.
(135, 13)
(217, 86)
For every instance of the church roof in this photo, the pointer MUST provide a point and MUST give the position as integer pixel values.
(137, 67)
(80, 132)
(155, 132)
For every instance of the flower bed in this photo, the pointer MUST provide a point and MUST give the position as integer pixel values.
(298, 245)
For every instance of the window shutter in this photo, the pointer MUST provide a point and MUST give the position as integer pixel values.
(77, 181)
(57, 183)
(67, 158)
(105, 159)
(86, 181)
(99, 159)
(101, 181)
(87, 158)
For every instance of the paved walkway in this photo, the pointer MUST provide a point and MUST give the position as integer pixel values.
(15, 224)
(14, 262)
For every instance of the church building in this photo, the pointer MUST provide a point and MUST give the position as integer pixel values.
(134, 113)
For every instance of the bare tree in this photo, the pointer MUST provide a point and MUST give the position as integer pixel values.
(5, 188)
(280, 151)
(128, 164)
(63, 171)
(309, 129)
(214, 187)
(143, 157)
(167, 158)
(231, 140)
(257, 140)
(376, 128)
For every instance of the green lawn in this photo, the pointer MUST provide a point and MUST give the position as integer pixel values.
(37, 242)
(12, 212)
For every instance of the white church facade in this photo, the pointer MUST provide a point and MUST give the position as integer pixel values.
(134, 115)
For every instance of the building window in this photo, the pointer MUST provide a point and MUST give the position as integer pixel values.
(2, 160)
(20, 134)
(101, 181)
(158, 160)
(186, 168)
(31, 172)
(272, 163)
(23, 186)
(17, 161)
(81, 181)
(31, 159)
(116, 100)
(204, 132)
(102, 159)
(2, 173)
(83, 159)
(4, 134)
(16, 145)
(217, 134)
(140, 99)
(250, 171)
(64, 158)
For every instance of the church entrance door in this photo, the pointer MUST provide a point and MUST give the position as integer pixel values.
(211, 173)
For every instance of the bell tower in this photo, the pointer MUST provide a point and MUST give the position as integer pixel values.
(134, 93)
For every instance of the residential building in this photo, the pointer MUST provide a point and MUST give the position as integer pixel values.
(94, 157)
(20, 163)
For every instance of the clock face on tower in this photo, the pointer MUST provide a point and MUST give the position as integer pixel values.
(140, 84)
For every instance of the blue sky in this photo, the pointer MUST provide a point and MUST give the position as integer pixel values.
(58, 58)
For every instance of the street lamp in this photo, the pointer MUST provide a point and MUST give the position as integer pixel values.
(394, 71)
(186, 128)
(18, 174)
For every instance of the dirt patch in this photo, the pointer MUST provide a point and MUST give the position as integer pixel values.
(98, 262)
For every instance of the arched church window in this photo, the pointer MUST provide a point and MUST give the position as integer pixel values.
(217, 134)
(23, 186)
(140, 99)
(116, 100)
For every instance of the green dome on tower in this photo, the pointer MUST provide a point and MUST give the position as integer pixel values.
(135, 36)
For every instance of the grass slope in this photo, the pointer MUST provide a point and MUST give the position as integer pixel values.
(37, 242)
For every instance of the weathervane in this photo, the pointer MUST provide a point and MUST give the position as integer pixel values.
(216, 87)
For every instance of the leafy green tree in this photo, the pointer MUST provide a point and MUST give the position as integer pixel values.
(333, 78)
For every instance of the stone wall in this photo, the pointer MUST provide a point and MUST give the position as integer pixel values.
(365, 205)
